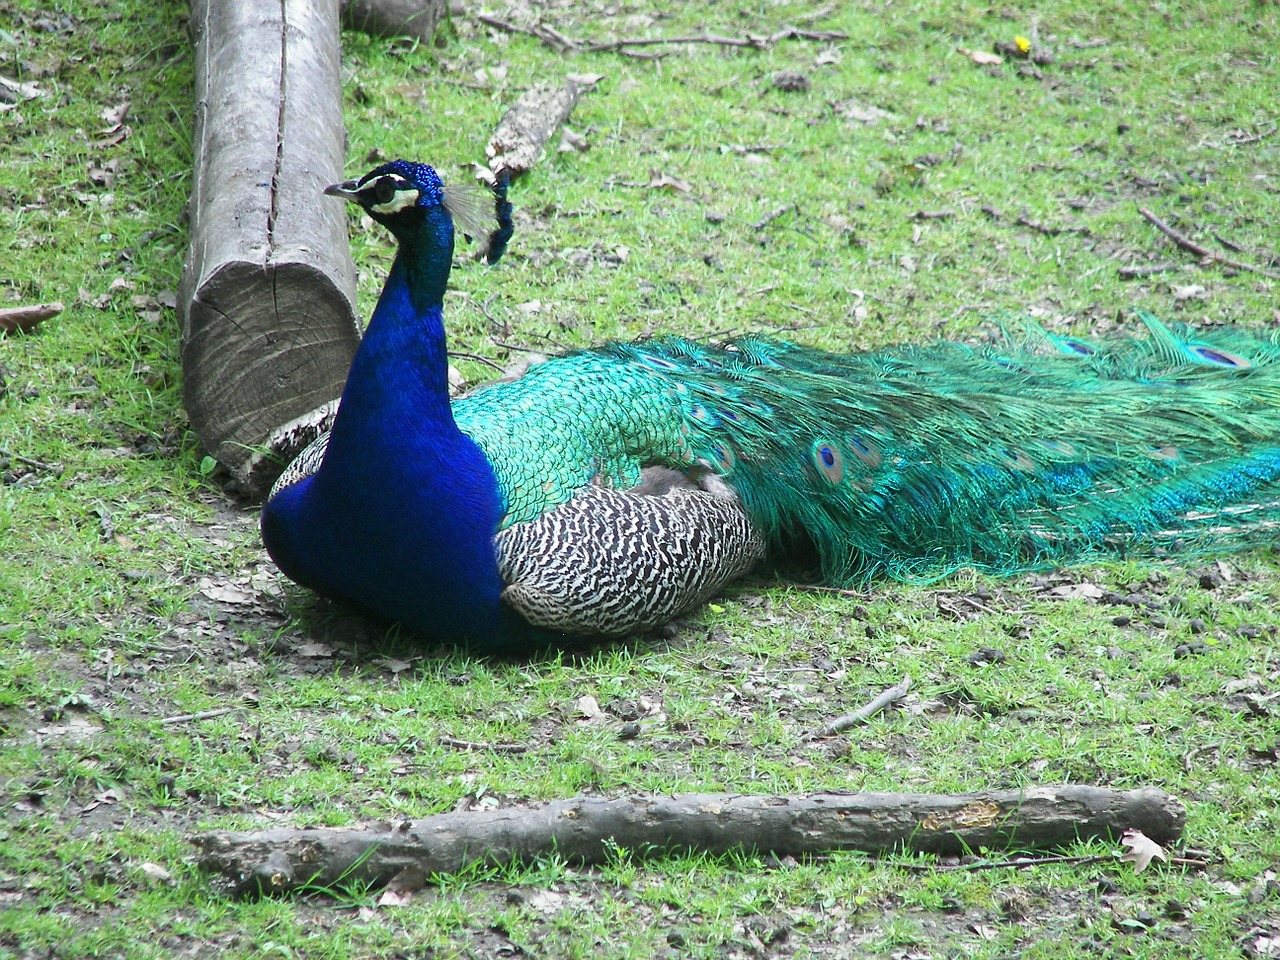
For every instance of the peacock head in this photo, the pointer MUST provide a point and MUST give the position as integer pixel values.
(402, 194)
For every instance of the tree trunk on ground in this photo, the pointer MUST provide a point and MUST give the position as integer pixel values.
(394, 18)
(587, 829)
(268, 290)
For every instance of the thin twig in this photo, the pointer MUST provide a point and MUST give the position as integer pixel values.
(1189, 758)
(1203, 252)
(515, 346)
(1046, 229)
(553, 39)
(201, 715)
(1252, 138)
(819, 588)
(1002, 864)
(1029, 862)
(756, 42)
(562, 43)
(1131, 271)
(1234, 247)
(773, 215)
(492, 747)
(32, 462)
(976, 605)
(862, 714)
(476, 357)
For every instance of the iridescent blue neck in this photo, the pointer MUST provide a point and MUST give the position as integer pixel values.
(400, 517)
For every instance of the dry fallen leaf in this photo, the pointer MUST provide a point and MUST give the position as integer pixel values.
(395, 898)
(1141, 850)
(586, 79)
(1077, 591)
(662, 181)
(491, 74)
(457, 382)
(589, 707)
(312, 649)
(400, 888)
(981, 57)
(155, 873)
(226, 592)
(1266, 946)
(547, 902)
(114, 116)
(23, 91)
(861, 112)
(571, 142)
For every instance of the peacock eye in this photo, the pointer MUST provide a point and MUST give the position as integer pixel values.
(383, 190)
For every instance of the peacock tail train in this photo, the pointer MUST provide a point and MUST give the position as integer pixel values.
(906, 462)
(912, 461)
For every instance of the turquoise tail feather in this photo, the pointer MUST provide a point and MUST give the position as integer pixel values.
(913, 461)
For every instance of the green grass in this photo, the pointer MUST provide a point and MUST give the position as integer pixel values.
(115, 563)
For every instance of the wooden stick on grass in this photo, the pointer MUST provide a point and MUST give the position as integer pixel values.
(864, 713)
(588, 830)
(1201, 251)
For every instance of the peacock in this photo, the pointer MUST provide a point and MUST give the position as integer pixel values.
(608, 490)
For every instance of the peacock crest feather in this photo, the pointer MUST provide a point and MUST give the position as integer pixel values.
(609, 489)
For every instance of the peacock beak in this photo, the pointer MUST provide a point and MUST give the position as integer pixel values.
(348, 189)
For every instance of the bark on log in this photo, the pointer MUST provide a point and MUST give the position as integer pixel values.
(584, 830)
(268, 289)
(394, 18)
(525, 128)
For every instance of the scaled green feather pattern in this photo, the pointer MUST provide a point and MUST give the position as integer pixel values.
(916, 460)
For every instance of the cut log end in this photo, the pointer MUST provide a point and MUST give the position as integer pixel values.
(262, 347)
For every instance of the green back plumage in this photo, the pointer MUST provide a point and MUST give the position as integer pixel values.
(912, 461)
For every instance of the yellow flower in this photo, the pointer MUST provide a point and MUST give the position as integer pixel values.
(1022, 43)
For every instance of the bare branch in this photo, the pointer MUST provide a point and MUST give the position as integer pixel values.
(1203, 252)
(865, 713)
(590, 829)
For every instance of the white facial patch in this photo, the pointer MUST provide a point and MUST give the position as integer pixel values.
(400, 200)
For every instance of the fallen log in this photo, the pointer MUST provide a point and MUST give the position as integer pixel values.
(394, 18)
(586, 829)
(522, 134)
(267, 298)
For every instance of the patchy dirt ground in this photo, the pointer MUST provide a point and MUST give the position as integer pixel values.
(239, 646)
